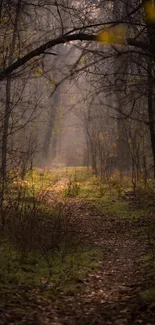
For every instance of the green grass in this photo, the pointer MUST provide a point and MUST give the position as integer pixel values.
(34, 268)
(41, 180)
(30, 281)
(64, 272)
(148, 296)
(82, 184)
(122, 209)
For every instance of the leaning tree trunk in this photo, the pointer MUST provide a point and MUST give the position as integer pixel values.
(151, 80)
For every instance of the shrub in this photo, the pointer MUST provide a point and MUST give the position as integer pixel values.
(42, 229)
(117, 186)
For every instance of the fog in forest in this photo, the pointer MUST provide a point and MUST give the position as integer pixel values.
(75, 103)
(77, 162)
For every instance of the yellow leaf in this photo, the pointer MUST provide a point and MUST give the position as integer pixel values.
(149, 8)
(36, 73)
(101, 136)
(40, 70)
(82, 60)
(113, 35)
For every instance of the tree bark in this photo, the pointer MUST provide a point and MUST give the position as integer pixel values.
(151, 113)
(8, 110)
(50, 127)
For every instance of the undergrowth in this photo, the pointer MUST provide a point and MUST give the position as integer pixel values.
(43, 244)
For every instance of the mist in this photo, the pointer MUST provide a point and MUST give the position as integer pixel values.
(77, 162)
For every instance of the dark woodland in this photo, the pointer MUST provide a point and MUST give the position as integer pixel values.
(77, 162)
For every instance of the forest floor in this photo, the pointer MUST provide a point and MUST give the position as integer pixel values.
(114, 291)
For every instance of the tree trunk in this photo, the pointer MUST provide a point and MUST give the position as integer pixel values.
(51, 124)
(151, 104)
(8, 110)
(151, 113)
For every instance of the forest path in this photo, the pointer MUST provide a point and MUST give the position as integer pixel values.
(111, 291)
(108, 295)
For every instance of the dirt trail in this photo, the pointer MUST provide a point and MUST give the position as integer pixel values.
(110, 295)
(61, 185)
(110, 292)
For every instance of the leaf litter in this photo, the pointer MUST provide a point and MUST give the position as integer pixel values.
(110, 293)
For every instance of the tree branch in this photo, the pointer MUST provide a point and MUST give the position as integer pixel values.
(61, 40)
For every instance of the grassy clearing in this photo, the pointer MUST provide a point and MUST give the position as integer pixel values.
(108, 196)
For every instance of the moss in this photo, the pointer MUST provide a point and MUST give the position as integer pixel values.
(148, 296)
(34, 267)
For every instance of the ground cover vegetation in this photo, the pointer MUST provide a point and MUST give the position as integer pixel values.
(94, 246)
(77, 162)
